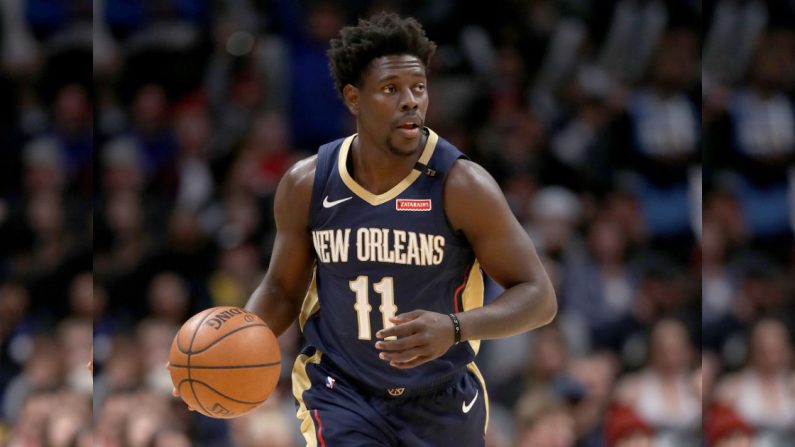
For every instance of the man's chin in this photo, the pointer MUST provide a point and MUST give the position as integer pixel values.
(404, 148)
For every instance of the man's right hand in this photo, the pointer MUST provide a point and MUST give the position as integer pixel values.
(175, 393)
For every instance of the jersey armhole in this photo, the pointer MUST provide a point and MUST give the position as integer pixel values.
(458, 234)
(322, 172)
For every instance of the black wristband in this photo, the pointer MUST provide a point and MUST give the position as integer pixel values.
(456, 328)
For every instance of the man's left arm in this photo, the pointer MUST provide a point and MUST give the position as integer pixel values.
(476, 206)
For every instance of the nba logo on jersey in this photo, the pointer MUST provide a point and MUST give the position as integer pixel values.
(330, 382)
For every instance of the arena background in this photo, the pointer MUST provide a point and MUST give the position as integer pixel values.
(147, 185)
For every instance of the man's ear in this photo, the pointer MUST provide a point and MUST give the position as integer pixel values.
(351, 95)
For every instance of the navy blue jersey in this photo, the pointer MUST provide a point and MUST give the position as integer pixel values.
(383, 255)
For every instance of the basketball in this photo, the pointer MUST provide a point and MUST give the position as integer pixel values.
(224, 362)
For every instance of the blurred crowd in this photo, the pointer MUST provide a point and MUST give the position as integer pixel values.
(747, 250)
(46, 284)
(148, 186)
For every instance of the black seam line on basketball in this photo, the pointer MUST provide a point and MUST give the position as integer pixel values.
(261, 365)
(179, 348)
(190, 348)
(220, 393)
(223, 337)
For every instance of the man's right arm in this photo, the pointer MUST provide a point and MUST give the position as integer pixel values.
(278, 298)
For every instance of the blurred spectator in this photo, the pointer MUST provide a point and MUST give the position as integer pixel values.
(598, 290)
(122, 372)
(663, 138)
(43, 167)
(188, 252)
(544, 421)
(122, 168)
(42, 374)
(65, 423)
(663, 291)
(762, 392)
(74, 344)
(511, 146)
(153, 136)
(316, 113)
(763, 149)
(238, 274)
(555, 212)
(706, 376)
(662, 393)
(81, 297)
(72, 117)
(168, 299)
(145, 417)
(718, 285)
(194, 135)
(267, 426)
(578, 152)
(170, 438)
(623, 209)
(104, 325)
(264, 157)
(242, 220)
(544, 370)
(761, 292)
(634, 30)
(154, 337)
(625, 428)
(236, 94)
(725, 428)
(45, 218)
(596, 374)
(17, 328)
(56, 419)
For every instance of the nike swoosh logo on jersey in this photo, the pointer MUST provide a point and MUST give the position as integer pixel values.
(465, 408)
(327, 204)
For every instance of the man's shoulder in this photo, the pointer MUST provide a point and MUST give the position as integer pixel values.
(294, 195)
(472, 195)
(302, 174)
(466, 175)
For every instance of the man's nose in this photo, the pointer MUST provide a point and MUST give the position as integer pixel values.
(408, 101)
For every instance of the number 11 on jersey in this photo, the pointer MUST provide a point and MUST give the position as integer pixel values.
(386, 289)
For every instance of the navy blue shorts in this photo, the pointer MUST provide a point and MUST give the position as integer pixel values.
(335, 412)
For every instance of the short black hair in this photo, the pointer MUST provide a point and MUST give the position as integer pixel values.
(383, 34)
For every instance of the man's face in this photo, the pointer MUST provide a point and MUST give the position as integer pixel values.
(391, 103)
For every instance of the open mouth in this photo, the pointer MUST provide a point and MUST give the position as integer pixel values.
(409, 130)
(409, 126)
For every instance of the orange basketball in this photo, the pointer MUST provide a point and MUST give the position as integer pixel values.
(224, 362)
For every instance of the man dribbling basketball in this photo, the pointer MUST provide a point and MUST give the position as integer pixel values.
(381, 238)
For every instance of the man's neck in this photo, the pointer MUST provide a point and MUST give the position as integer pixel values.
(376, 168)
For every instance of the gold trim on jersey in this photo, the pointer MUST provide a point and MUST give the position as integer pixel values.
(301, 384)
(472, 297)
(378, 199)
(473, 368)
(311, 303)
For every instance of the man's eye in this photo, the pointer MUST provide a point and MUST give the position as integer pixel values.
(389, 89)
(420, 87)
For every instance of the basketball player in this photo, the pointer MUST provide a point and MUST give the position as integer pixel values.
(382, 240)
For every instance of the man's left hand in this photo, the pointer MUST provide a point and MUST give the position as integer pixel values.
(421, 337)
